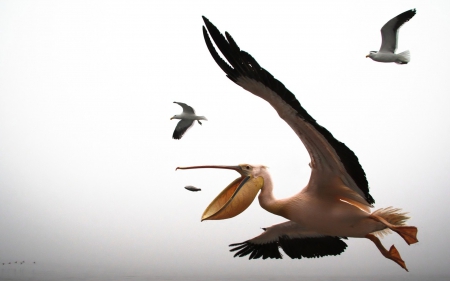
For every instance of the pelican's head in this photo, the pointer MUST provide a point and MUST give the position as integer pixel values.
(238, 195)
(371, 54)
(175, 117)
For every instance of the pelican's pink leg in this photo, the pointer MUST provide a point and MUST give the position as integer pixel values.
(392, 254)
(408, 233)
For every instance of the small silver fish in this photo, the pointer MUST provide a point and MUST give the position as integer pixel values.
(192, 188)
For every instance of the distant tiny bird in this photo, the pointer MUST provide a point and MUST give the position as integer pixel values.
(187, 119)
(389, 38)
(192, 188)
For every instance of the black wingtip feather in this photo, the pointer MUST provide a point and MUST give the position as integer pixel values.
(295, 248)
(176, 135)
(404, 17)
(256, 251)
(312, 247)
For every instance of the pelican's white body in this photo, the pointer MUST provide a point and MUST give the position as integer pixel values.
(323, 206)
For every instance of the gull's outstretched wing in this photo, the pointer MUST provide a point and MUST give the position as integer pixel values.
(181, 128)
(186, 108)
(327, 153)
(295, 241)
(389, 31)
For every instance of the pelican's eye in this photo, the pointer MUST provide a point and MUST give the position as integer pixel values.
(248, 167)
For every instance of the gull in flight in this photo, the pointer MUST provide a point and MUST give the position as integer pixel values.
(334, 205)
(389, 38)
(187, 120)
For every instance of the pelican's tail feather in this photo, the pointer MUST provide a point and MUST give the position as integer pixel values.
(394, 216)
(403, 57)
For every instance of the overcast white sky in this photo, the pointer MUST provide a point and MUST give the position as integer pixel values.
(87, 159)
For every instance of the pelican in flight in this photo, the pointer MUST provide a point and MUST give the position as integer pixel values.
(187, 120)
(334, 205)
(389, 38)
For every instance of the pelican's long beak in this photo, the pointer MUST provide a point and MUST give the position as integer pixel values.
(367, 56)
(235, 198)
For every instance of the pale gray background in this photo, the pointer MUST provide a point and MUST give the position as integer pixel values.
(87, 162)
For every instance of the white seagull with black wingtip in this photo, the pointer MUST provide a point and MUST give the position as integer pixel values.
(187, 120)
(336, 202)
(389, 38)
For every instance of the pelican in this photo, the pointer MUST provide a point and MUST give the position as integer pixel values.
(334, 205)
(389, 38)
(187, 120)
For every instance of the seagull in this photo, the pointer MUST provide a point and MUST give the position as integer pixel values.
(192, 188)
(333, 206)
(187, 119)
(389, 38)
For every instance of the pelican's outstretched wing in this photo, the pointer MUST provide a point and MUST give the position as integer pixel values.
(327, 153)
(186, 108)
(389, 31)
(181, 128)
(295, 241)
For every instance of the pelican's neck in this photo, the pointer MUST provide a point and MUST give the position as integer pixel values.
(266, 198)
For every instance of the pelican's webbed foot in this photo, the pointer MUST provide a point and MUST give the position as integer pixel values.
(408, 233)
(392, 254)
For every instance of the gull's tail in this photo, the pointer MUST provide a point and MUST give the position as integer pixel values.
(403, 57)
